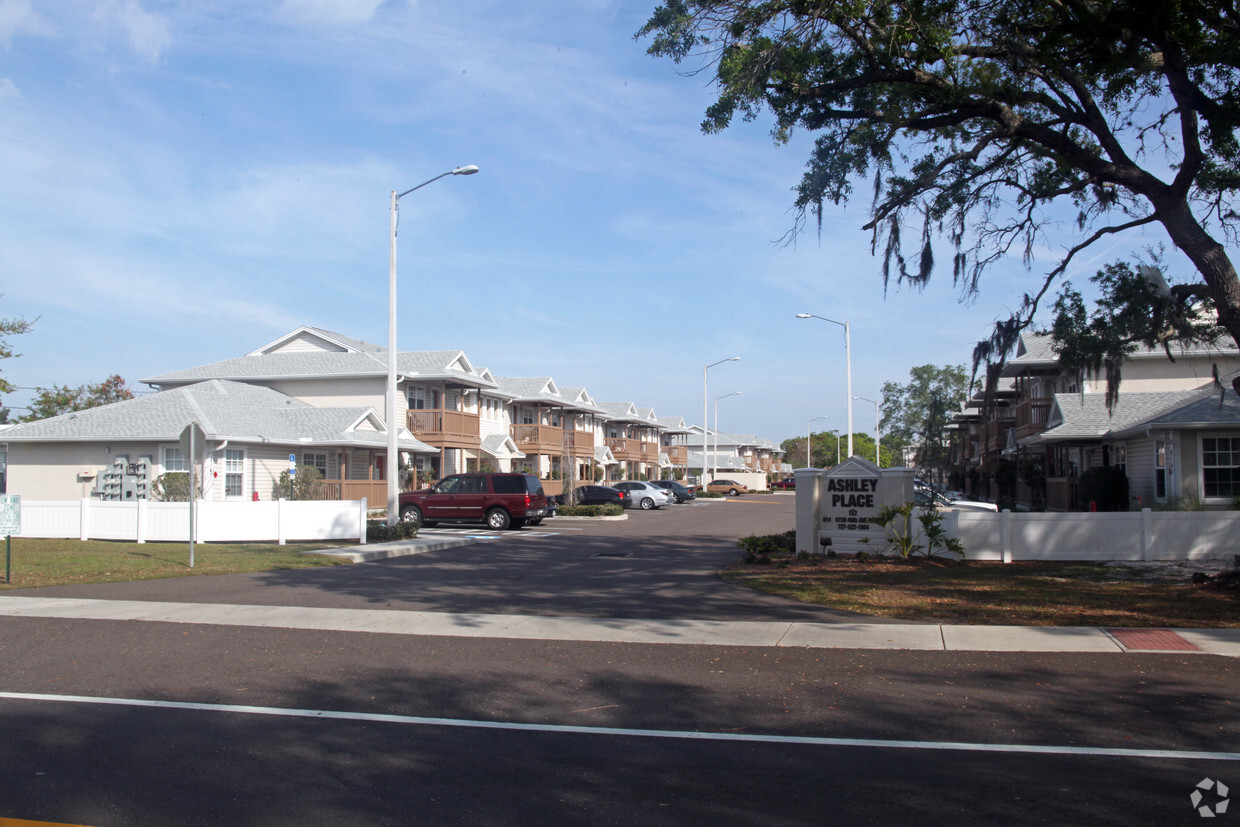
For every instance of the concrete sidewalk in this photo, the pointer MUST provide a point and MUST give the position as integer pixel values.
(931, 637)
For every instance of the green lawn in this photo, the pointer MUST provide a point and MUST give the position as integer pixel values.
(1020, 594)
(38, 562)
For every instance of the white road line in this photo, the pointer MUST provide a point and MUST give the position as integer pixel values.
(373, 717)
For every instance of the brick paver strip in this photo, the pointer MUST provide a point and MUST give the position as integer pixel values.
(1153, 639)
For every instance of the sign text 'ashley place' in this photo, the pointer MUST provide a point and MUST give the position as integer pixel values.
(852, 493)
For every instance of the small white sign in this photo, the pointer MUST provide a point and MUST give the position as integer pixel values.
(10, 515)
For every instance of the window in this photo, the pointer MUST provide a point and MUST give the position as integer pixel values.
(1164, 468)
(419, 399)
(234, 473)
(174, 461)
(318, 461)
(1220, 467)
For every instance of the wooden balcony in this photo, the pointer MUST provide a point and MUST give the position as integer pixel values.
(677, 454)
(632, 450)
(581, 443)
(1031, 417)
(538, 439)
(997, 434)
(444, 429)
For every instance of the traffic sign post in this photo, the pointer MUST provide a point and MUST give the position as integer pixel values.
(10, 524)
(193, 443)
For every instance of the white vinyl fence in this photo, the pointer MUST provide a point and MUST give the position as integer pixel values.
(1134, 535)
(214, 522)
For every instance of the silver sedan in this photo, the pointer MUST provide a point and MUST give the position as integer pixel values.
(643, 495)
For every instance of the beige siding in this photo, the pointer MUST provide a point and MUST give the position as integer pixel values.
(338, 393)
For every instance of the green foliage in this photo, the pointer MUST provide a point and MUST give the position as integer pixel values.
(304, 485)
(10, 327)
(378, 531)
(909, 534)
(61, 399)
(1136, 308)
(916, 414)
(604, 510)
(1106, 486)
(984, 121)
(763, 549)
(173, 487)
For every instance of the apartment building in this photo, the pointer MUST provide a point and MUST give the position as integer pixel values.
(1174, 432)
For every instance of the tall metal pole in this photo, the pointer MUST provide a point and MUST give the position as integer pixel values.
(393, 428)
(809, 435)
(877, 454)
(393, 488)
(847, 366)
(705, 413)
(714, 469)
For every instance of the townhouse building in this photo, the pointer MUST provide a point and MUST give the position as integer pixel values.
(314, 397)
(1172, 433)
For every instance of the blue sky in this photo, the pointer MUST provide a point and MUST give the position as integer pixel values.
(185, 182)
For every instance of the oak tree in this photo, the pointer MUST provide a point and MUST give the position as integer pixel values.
(988, 122)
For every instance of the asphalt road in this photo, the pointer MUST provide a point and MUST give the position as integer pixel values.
(121, 722)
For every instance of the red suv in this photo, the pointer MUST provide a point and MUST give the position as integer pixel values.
(500, 500)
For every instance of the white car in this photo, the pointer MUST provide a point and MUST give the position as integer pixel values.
(643, 495)
(926, 497)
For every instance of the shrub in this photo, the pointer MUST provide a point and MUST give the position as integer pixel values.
(304, 485)
(904, 536)
(606, 510)
(769, 543)
(173, 487)
(378, 531)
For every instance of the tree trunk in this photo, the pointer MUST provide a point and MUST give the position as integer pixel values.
(1211, 260)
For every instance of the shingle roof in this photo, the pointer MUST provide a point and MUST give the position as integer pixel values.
(1085, 416)
(224, 410)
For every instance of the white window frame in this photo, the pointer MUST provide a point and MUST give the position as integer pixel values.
(1234, 438)
(311, 458)
(1164, 450)
(234, 472)
(171, 464)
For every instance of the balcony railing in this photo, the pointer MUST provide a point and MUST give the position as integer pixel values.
(677, 454)
(537, 439)
(438, 427)
(997, 434)
(1031, 417)
(634, 450)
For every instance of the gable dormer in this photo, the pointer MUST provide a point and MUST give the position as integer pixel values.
(307, 340)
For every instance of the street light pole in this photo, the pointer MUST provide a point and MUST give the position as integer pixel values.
(809, 434)
(706, 411)
(714, 466)
(877, 456)
(847, 366)
(393, 482)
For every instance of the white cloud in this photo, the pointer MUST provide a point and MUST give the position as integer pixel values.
(332, 12)
(147, 33)
(9, 91)
(14, 16)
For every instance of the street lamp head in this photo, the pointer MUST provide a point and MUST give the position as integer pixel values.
(469, 169)
(804, 316)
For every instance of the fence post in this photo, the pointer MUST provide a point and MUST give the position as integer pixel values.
(84, 520)
(1005, 534)
(280, 521)
(361, 522)
(1147, 553)
(140, 522)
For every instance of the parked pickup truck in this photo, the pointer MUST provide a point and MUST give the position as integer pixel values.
(786, 484)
